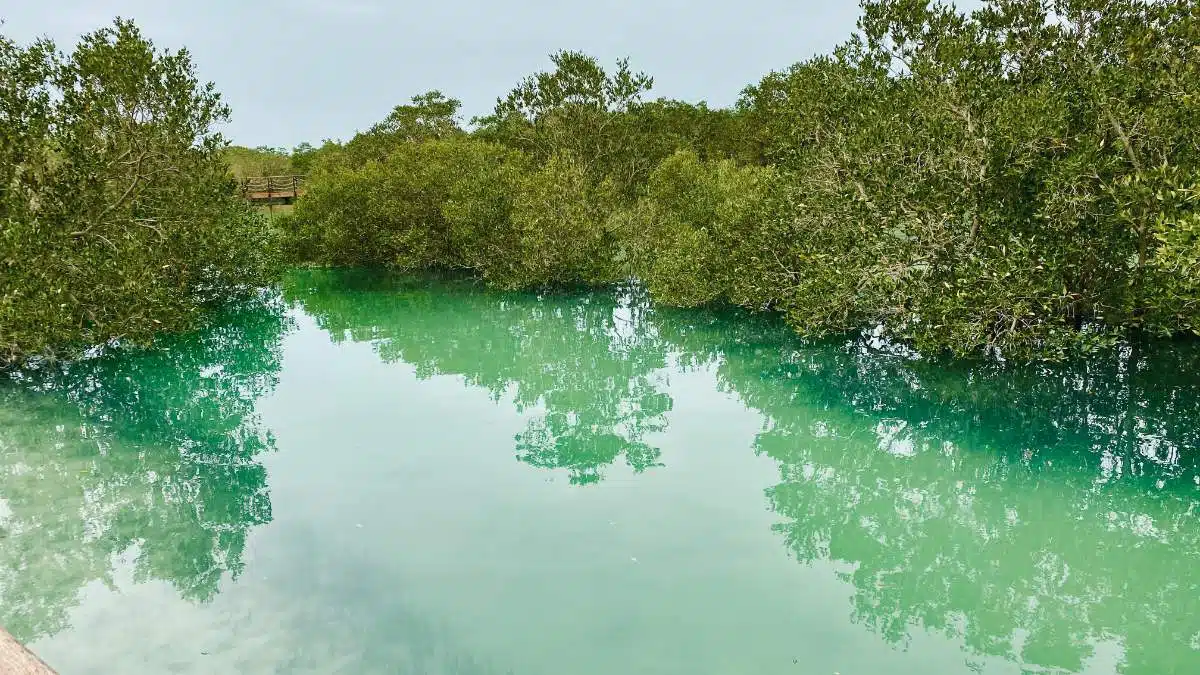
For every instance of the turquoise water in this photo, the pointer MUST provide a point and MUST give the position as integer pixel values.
(375, 474)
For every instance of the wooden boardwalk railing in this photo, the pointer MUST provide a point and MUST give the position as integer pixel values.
(273, 188)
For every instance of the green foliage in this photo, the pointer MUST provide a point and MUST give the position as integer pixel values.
(579, 109)
(459, 203)
(381, 213)
(305, 157)
(430, 116)
(478, 210)
(433, 204)
(260, 161)
(561, 221)
(664, 126)
(118, 215)
(698, 228)
(1171, 298)
(534, 197)
(987, 181)
(1018, 181)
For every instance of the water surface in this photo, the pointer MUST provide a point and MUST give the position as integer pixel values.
(377, 474)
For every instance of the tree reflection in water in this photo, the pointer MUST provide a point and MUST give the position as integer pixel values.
(1032, 512)
(148, 452)
(586, 360)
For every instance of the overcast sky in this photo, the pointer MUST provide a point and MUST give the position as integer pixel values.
(303, 70)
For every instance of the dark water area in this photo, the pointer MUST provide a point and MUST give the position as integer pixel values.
(372, 473)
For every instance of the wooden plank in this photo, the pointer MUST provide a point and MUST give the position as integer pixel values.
(15, 659)
(279, 194)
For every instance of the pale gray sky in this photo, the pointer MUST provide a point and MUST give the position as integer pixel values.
(303, 70)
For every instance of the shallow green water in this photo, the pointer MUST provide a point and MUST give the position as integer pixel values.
(389, 476)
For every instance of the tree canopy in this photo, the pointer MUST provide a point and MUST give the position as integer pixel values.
(1019, 180)
(118, 218)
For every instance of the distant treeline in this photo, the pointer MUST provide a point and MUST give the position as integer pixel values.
(267, 161)
(1021, 180)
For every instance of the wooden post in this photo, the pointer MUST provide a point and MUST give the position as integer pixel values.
(15, 659)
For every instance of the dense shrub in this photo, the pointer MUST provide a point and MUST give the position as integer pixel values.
(999, 180)
(560, 218)
(479, 206)
(434, 204)
(699, 232)
(118, 219)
